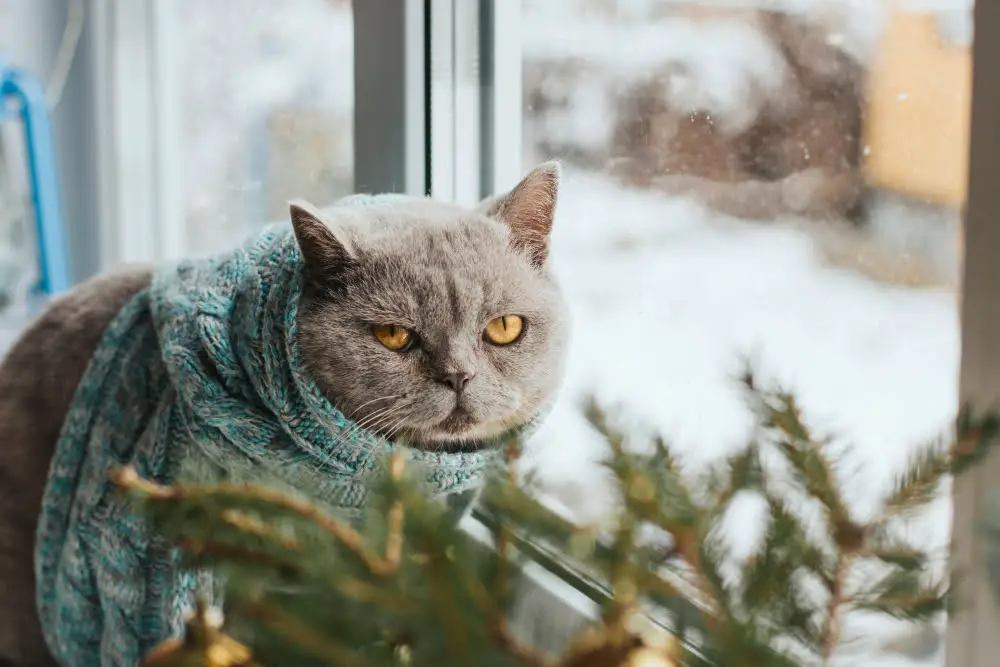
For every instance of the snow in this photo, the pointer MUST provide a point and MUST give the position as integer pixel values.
(666, 300)
(732, 62)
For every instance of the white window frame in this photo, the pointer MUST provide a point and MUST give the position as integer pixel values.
(458, 140)
(140, 164)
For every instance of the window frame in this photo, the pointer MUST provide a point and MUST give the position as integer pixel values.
(139, 163)
(972, 638)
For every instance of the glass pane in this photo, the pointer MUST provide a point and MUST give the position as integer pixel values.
(267, 111)
(744, 182)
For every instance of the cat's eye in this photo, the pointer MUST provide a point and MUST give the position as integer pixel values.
(504, 330)
(397, 339)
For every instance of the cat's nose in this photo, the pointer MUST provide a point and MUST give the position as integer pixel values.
(457, 381)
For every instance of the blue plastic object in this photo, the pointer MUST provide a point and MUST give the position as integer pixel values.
(29, 106)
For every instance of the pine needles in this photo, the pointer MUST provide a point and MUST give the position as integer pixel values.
(306, 587)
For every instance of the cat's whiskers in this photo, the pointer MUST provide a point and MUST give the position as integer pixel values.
(387, 397)
(374, 416)
(377, 420)
(395, 428)
(390, 424)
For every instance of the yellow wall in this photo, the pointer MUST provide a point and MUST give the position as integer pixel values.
(917, 116)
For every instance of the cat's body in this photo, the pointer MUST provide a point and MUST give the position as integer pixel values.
(37, 382)
(428, 272)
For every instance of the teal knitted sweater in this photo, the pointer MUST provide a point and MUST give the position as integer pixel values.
(203, 363)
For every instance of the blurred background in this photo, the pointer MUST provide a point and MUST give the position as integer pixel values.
(783, 180)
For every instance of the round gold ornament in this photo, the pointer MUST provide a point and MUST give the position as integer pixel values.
(204, 644)
(598, 647)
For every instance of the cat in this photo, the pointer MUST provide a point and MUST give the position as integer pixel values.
(474, 342)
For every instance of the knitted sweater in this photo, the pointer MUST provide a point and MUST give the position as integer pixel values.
(203, 363)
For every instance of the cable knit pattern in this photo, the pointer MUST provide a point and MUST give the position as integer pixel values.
(204, 362)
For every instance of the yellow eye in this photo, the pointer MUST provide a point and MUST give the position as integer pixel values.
(395, 338)
(504, 330)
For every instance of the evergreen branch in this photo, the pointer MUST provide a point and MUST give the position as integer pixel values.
(891, 550)
(832, 625)
(687, 544)
(975, 436)
(740, 471)
(587, 577)
(770, 571)
(779, 413)
(598, 419)
(205, 551)
(233, 494)
(806, 456)
(668, 495)
(904, 595)
(795, 615)
(671, 490)
(798, 547)
(250, 526)
(497, 627)
(301, 636)
(444, 605)
(711, 552)
(917, 485)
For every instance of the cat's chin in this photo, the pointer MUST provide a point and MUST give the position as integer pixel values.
(457, 432)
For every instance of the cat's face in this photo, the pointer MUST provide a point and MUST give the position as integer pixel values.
(434, 323)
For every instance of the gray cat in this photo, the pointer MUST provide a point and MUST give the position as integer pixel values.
(476, 346)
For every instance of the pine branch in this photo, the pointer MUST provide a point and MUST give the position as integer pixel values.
(230, 494)
(205, 552)
(785, 549)
(303, 637)
(308, 586)
(903, 594)
(807, 456)
(975, 437)
(891, 550)
(918, 484)
(739, 471)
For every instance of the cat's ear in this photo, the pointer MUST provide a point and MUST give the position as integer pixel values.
(324, 249)
(529, 210)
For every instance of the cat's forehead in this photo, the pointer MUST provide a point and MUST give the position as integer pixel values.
(440, 261)
(432, 235)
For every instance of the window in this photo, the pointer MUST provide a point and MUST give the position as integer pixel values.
(266, 111)
(238, 121)
(741, 181)
(786, 185)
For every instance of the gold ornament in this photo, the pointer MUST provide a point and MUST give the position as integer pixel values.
(632, 644)
(646, 656)
(203, 645)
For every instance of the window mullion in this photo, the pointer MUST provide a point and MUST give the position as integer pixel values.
(973, 640)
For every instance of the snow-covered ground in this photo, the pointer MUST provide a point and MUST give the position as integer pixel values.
(667, 297)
